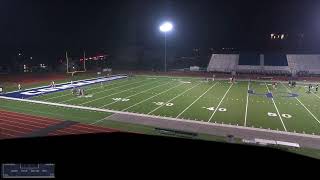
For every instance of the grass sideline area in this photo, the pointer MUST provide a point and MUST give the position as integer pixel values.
(283, 108)
(188, 98)
(86, 117)
(82, 116)
(89, 117)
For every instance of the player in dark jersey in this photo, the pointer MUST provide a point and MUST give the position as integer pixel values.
(310, 86)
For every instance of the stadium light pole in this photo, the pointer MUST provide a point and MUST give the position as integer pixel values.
(165, 27)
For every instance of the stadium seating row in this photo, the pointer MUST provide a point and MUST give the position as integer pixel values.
(268, 63)
(304, 63)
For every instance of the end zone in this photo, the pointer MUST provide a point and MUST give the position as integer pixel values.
(28, 93)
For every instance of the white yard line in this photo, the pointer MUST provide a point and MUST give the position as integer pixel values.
(196, 100)
(136, 94)
(220, 103)
(277, 110)
(151, 97)
(113, 94)
(106, 90)
(89, 89)
(316, 95)
(246, 114)
(174, 98)
(159, 117)
(303, 105)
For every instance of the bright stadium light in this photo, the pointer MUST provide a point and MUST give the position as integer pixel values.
(165, 27)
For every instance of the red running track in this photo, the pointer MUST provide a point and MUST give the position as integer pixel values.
(15, 125)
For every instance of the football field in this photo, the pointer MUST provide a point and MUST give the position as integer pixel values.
(243, 103)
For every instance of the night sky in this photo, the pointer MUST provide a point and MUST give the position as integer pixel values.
(45, 29)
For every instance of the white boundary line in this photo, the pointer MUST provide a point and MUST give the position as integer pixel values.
(63, 83)
(246, 114)
(100, 120)
(106, 90)
(220, 102)
(159, 117)
(89, 89)
(174, 98)
(277, 110)
(196, 99)
(303, 105)
(137, 93)
(151, 97)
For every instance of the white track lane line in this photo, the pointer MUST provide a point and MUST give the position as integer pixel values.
(220, 103)
(246, 114)
(22, 123)
(14, 130)
(151, 97)
(303, 105)
(196, 100)
(277, 110)
(174, 98)
(103, 91)
(6, 134)
(136, 94)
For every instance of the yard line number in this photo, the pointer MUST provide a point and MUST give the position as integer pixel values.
(162, 103)
(120, 99)
(288, 116)
(213, 108)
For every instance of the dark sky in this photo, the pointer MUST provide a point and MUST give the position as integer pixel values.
(46, 28)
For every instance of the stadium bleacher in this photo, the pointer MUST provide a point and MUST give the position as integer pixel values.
(269, 63)
(305, 64)
(223, 62)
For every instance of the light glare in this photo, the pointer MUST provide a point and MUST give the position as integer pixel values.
(165, 27)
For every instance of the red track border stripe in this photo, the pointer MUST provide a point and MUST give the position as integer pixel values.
(12, 130)
(36, 116)
(40, 118)
(25, 130)
(22, 123)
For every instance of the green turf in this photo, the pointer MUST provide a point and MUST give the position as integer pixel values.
(188, 98)
(195, 99)
(313, 153)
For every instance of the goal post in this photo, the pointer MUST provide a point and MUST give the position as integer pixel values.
(75, 71)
